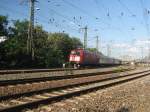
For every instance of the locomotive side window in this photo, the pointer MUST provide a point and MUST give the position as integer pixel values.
(75, 53)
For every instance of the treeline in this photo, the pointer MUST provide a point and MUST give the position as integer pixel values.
(51, 49)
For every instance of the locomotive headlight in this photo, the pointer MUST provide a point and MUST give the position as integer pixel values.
(71, 58)
(77, 58)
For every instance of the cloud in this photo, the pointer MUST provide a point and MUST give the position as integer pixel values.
(133, 50)
(142, 42)
(121, 45)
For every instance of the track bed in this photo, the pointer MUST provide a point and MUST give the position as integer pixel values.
(71, 87)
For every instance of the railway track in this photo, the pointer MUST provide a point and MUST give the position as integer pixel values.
(33, 70)
(10, 88)
(18, 103)
(2, 72)
(56, 77)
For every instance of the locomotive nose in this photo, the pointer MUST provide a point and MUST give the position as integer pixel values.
(74, 58)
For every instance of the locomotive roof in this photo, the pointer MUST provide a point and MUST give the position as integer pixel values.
(99, 53)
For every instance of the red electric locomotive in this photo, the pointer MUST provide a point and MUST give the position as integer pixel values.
(81, 57)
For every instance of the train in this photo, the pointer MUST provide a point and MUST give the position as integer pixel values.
(81, 57)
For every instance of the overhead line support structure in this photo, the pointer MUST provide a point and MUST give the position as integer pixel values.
(85, 37)
(97, 42)
(30, 42)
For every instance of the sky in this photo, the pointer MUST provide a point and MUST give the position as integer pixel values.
(121, 25)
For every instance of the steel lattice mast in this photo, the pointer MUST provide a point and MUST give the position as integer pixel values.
(30, 43)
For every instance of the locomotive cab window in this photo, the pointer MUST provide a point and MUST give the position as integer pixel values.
(73, 52)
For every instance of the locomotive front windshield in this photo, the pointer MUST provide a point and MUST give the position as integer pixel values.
(75, 53)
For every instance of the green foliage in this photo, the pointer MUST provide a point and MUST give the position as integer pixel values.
(14, 48)
(61, 44)
(3, 25)
(92, 49)
(40, 46)
(76, 43)
(54, 58)
(51, 49)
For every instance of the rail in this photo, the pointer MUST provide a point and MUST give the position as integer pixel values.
(70, 90)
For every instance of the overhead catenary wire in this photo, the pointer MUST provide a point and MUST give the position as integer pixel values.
(104, 8)
(63, 16)
(57, 24)
(78, 8)
(122, 4)
(2, 7)
(131, 13)
(145, 17)
(26, 15)
(85, 12)
(128, 10)
(69, 19)
(109, 16)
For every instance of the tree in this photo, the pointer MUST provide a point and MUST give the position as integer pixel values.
(62, 43)
(76, 43)
(3, 25)
(3, 32)
(40, 46)
(14, 48)
(51, 50)
(92, 49)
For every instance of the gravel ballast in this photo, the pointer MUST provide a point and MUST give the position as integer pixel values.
(30, 87)
(55, 73)
(133, 96)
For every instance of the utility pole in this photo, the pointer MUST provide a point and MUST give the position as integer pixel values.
(148, 49)
(85, 37)
(30, 43)
(108, 50)
(97, 42)
(142, 53)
